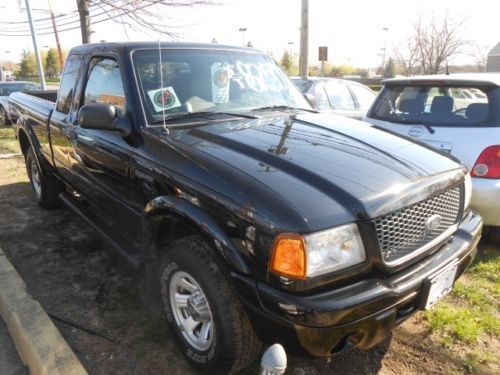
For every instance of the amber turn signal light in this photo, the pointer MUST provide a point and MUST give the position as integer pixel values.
(289, 256)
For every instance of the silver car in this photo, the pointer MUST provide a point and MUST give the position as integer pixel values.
(457, 114)
(6, 88)
(337, 96)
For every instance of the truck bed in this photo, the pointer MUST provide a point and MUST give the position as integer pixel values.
(37, 106)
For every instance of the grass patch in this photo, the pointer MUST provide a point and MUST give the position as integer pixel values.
(471, 311)
(473, 362)
(463, 323)
(8, 142)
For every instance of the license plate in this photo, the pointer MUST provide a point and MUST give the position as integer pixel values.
(440, 285)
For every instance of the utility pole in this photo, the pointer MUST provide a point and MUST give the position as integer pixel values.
(35, 47)
(54, 25)
(304, 39)
(83, 10)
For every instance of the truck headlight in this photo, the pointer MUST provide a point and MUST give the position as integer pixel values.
(467, 190)
(318, 253)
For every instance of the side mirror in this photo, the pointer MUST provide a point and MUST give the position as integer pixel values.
(311, 99)
(102, 116)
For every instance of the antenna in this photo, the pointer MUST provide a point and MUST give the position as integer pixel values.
(162, 88)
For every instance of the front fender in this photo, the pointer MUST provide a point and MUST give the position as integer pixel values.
(170, 205)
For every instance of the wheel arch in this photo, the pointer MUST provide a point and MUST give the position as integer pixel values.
(24, 141)
(169, 218)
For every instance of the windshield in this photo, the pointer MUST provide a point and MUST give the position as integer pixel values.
(210, 81)
(436, 105)
(302, 84)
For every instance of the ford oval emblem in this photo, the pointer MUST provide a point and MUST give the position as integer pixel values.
(416, 131)
(433, 222)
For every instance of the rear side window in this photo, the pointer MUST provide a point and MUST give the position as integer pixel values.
(434, 105)
(68, 81)
(364, 96)
(105, 84)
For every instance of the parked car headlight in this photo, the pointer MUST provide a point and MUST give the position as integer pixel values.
(468, 190)
(317, 254)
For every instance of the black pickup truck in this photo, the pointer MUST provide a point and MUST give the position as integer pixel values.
(205, 168)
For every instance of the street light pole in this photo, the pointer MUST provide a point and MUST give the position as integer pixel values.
(384, 49)
(242, 30)
(35, 46)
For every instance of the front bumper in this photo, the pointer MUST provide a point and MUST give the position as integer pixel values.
(486, 199)
(363, 313)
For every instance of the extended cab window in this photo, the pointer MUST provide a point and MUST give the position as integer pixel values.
(69, 77)
(434, 105)
(104, 84)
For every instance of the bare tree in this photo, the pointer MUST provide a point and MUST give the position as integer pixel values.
(432, 44)
(480, 55)
(407, 57)
(136, 14)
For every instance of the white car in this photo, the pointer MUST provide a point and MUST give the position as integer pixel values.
(457, 114)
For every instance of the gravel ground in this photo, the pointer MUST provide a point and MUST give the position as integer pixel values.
(94, 299)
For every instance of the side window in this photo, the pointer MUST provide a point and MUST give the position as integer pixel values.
(364, 96)
(104, 84)
(69, 77)
(340, 96)
(322, 99)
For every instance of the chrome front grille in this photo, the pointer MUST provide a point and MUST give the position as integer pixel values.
(410, 230)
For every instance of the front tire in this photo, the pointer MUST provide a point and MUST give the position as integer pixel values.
(203, 310)
(45, 186)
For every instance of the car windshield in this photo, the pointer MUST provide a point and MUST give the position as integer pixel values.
(436, 105)
(302, 84)
(210, 81)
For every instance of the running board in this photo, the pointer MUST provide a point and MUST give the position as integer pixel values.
(97, 224)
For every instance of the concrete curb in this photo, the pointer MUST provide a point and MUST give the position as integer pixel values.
(38, 342)
(10, 156)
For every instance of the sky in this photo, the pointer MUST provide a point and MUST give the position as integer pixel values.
(353, 30)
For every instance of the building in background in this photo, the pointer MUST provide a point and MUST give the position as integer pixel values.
(493, 63)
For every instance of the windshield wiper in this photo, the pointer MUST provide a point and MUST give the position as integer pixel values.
(187, 115)
(282, 108)
(429, 128)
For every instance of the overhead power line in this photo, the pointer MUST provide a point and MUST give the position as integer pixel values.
(40, 20)
(108, 18)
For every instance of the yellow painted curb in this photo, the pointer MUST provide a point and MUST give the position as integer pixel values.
(39, 343)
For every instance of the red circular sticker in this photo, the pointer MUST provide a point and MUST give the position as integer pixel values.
(164, 99)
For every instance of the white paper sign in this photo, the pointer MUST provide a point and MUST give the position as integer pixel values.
(164, 98)
(220, 83)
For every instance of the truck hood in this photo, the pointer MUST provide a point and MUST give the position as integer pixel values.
(330, 169)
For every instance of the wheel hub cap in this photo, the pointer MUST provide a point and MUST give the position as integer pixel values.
(35, 179)
(190, 309)
(197, 307)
